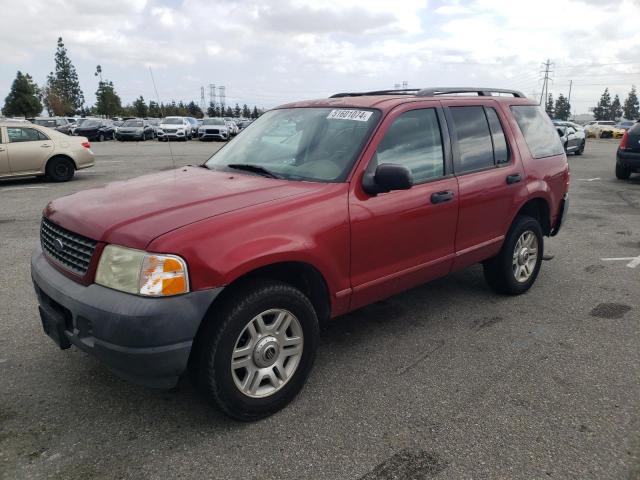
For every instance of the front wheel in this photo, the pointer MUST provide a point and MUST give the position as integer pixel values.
(622, 172)
(252, 357)
(580, 150)
(514, 270)
(101, 137)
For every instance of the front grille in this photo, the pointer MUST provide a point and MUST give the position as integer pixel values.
(69, 249)
(170, 130)
(213, 130)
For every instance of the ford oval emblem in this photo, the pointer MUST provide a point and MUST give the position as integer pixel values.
(58, 245)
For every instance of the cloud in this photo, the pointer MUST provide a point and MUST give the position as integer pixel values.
(268, 52)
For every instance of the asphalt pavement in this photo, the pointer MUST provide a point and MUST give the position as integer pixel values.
(447, 381)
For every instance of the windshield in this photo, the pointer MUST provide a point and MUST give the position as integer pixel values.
(91, 123)
(315, 144)
(607, 123)
(132, 123)
(80, 121)
(213, 121)
(172, 121)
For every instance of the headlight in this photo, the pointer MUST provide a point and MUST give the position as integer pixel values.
(142, 273)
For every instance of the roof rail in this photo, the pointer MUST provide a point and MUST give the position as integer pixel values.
(404, 91)
(481, 92)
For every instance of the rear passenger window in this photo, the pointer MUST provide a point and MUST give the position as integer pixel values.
(538, 131)
(500, 150)
(414, 141)
(474, 138)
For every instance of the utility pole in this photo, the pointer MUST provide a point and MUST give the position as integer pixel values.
(545, 85)
(203, 107)
(396, 86)
(405, 84)
(212, 94)
(569, 99)
(221, 91)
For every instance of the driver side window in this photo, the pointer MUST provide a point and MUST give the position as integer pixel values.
(414, 141)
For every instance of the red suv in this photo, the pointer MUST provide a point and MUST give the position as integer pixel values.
(318, 208)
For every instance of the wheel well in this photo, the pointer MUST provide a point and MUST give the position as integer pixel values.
(61, 156)
(300, 275)
(538, 208)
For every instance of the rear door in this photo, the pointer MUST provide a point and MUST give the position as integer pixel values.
(28, 150)
(403, 238)
(490, 178)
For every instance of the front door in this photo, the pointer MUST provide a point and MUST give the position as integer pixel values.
(403, 238)
(4, 158)
(28, 150)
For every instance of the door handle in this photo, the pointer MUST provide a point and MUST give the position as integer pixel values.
(45, 146)
(515, 178)
(440, 197)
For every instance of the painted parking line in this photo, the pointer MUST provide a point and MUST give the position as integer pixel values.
(23, 188)
(589, 179)
(633, 261)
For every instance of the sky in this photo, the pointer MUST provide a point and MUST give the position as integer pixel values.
(268, 53)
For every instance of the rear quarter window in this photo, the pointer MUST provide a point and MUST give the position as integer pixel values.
(538, 131)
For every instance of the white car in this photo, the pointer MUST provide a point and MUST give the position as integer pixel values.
(28, 150)
(231, 125)
(594, 128)
(178, 128)
(213, 129)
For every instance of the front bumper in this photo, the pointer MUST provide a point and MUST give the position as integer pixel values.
(128, 136)
(171, 134)
(629, 160)
(213, 136)
(144, 340)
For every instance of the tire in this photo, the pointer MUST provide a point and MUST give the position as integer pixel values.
(507, 274)
(60, 169)
(622, 172)
(565, 147)
(101, 137)
(226, 330)
(580, 151)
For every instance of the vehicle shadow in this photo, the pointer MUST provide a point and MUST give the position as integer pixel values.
(417, 308)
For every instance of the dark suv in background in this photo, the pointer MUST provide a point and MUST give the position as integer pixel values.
(628, 155)
(60, 124)
(227, 269)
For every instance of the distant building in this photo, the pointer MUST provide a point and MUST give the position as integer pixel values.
(583, 118)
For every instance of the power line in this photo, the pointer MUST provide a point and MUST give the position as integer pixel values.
(545, 86)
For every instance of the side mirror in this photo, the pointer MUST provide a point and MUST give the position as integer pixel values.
(387, 177)
(560, 131)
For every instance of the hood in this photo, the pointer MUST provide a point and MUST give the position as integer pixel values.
(171, 125)
(134, 212)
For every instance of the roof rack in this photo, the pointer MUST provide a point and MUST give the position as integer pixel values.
(404, 91)
(481, 92)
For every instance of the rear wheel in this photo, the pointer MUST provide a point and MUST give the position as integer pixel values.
(580, 150)
(60, 169)
(101, 137)
(622, 172)
(514, 270)
(253, 358)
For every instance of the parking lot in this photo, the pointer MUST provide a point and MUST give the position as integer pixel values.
(447, 380)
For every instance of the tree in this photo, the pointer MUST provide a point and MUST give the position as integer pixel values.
(246, 113)
(616, 109)
(254, 113)
(154, 110)
(631, 107)
(237, 111)
(548, 107)
(228, 112)
(140, 107)
(603, 109)
(194, 110)
(108, 102)
(62, 93)
(22, 100)
(562, 109)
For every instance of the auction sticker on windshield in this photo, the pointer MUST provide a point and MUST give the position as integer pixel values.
(358, 115)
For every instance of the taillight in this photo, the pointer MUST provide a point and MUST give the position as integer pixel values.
(86, 144)
(624, 141)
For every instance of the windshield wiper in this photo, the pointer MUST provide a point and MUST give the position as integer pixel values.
(250, 167)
